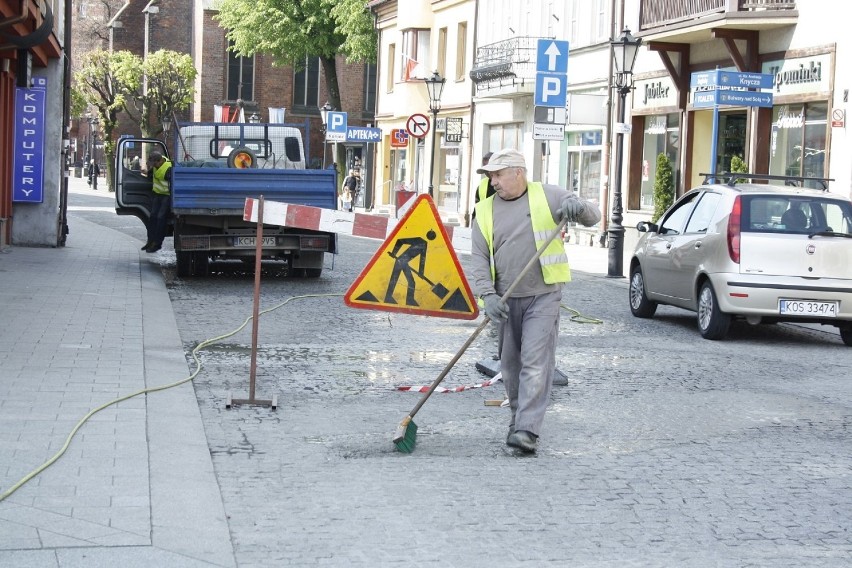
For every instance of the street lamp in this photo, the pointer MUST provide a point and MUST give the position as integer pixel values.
(324, 110)
(93, 136)
(167, 127)
(624, 50)
(435, 87)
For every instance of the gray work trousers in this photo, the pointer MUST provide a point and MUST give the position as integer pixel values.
(528, 357)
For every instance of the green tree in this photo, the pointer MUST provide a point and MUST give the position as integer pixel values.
(99, 81)
(663, 187)
(170, 80)
(738, 166)
(293, 30)
(112, 83)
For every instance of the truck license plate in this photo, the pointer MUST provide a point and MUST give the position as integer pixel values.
(807, 308)
(252, 241)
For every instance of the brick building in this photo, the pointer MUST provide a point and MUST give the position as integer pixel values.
(251, 83)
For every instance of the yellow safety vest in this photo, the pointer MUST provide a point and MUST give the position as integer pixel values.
(554, 261)
(482, 191)
(161, 184)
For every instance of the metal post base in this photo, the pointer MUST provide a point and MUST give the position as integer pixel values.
(251, 402)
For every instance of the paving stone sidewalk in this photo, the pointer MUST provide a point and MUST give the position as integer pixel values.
(81, 326)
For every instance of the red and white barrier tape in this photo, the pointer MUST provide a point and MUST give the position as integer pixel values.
(495, 379)
(341, 222)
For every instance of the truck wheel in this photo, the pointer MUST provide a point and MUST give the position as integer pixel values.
(242, 158)
(201, 264)
(184, 263)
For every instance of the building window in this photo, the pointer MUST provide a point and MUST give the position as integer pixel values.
(306, 85)
(600, 20)
(505, 136)
(240, 76)
(442, 52)
(461, 52)
(415, 54)
(390, 71)
(661, 136)
(370, 88)
(798, 142)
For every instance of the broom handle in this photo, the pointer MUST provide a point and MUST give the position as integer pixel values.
(479, 329)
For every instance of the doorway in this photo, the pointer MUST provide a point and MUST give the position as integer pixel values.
(731, 141)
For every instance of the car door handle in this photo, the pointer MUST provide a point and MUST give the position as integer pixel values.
(668, 246)
(698, 245)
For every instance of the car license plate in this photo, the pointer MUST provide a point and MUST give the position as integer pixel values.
(252, 241)
(807, 308)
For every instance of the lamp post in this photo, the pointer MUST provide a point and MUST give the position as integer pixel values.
(324, 110)
(167, 127)
(624, 50)
(435, 88)
(93, 136)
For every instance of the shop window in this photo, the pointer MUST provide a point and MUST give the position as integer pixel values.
(585, 155)
(798, 143)
(661, 136)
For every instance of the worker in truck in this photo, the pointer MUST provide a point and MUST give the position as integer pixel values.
(160, 171)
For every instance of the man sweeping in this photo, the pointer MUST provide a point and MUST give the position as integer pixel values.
(509, 228)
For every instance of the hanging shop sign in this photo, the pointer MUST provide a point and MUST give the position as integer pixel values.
(28, 146)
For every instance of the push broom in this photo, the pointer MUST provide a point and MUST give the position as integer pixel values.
(406, 432)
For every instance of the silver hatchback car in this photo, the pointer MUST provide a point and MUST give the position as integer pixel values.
(764, 252)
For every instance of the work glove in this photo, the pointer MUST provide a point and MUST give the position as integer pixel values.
(495, 308)
(571, 208)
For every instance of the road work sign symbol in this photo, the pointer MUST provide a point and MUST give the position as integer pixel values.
(415, 271)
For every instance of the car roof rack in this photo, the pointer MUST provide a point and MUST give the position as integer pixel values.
(730, 178)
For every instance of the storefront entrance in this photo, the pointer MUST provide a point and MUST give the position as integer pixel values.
(731, 142)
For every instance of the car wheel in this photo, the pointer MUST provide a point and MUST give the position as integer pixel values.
(846, 335)
(713, 323)
(640, 305)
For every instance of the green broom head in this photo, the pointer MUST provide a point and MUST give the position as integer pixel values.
(406, 436)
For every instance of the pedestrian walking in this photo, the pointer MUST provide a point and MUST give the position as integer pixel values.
(160, 171)
(510, 226)
(94, 172)
(350, 191)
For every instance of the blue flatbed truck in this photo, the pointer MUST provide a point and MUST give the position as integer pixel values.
(219, 166)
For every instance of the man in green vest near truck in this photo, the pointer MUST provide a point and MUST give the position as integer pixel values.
(160, 171)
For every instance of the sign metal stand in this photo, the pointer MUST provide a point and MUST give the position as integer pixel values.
(251, 400)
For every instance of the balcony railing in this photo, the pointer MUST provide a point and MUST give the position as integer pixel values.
(510, 62)
(656, 13)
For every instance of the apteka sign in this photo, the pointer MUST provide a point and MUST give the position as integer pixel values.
(28, 154)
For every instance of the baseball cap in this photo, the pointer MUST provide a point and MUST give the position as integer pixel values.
(506, 158)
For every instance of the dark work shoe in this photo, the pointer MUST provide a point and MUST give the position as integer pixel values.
(145, 246)
(153, 248)
(523, 440)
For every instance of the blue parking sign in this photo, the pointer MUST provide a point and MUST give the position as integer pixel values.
(336, 127)
(551, 90)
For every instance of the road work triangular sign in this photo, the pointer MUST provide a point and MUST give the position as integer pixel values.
(415, 271)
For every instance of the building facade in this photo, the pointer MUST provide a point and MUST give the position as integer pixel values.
(33, 107)
(802, 133)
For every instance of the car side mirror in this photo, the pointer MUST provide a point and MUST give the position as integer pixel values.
(647, 227)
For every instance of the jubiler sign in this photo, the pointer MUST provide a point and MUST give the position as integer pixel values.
(28, 150)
